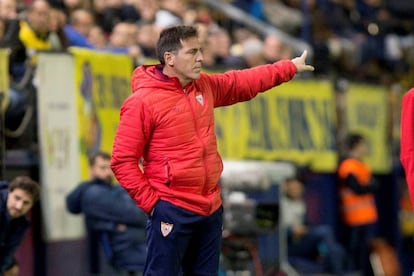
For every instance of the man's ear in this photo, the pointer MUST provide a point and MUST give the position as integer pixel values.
(169, 59)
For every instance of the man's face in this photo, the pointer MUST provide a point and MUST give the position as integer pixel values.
(8, 9)
(186, 62)
(102, 169)
(294, 189)
(19, 203)
(39, 17)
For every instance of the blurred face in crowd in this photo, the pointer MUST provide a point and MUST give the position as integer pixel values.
(99, 5)
(101, 169)
(39, 16)
(8, 9)
(272, 48)
(57, 20)
(97, 37)
(73, 4)
(294, 188)
(147, 9)
(186, 62)
(361, 149)
(147, 35)
(82, 21)
(123, 35)
(19, 203)
(223, 43)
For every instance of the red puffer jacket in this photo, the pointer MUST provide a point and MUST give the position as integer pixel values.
(172, 128)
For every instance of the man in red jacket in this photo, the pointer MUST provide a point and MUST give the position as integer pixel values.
(168, 121)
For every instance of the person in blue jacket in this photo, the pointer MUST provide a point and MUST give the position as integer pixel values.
(112, 217)
(16, 200)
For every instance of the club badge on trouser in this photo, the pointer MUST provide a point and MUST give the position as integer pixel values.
(166, 228)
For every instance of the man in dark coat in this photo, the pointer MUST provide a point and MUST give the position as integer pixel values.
(112, 217)
(16, 200)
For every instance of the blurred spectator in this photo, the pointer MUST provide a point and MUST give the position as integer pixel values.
(16, 200)
(220, 42)
(147, 9)
(97, 37)
(147, 39)
(120, 227)
(77, 32)
(310, 242)
(80, 23)
(8, 9)
(116, 11)
(27, 36)
(57, 35)
(34, 31)
(274, 49)
(13, 269)
(123, 35)
(359, 212)
(171, 13)
(253, 54)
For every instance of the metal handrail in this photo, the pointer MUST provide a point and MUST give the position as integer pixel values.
(264, 29)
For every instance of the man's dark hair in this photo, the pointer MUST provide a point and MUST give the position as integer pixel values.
(26, 184)
(353, 140)
(98, 154)
(170, 39)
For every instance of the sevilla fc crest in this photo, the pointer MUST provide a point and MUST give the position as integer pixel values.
(199, 98)
(166, 228)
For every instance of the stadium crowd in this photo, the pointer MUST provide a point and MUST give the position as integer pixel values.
(360, 39)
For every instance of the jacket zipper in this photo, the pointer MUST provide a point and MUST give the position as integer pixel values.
(199, 138)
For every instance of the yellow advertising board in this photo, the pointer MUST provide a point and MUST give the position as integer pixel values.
(294, 122)
(367, 115)
(102, 83)
(4, 78)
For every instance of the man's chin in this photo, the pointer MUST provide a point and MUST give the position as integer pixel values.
(15, 214)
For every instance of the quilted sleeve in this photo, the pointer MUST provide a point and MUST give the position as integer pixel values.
(407, 139)
(130, 139)
(242, 85)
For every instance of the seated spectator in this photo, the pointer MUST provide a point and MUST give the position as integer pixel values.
(8, 9)
(27, 36)
(117, 11)
(80, 23)
(221, 43)
(310, 242)
(77, 32)
(274, 49)
(252, 53)
(97, 37)
(147, 39)
(34, 31)
(57, 35)
(16, 200)
(171, 13)
(111, 217)
(147, 9)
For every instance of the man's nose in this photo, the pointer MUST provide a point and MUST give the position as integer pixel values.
(18, 205)
(200, 56)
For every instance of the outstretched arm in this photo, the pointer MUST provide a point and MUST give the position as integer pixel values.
(242, 85)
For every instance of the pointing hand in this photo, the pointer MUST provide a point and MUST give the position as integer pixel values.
(300, 63)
